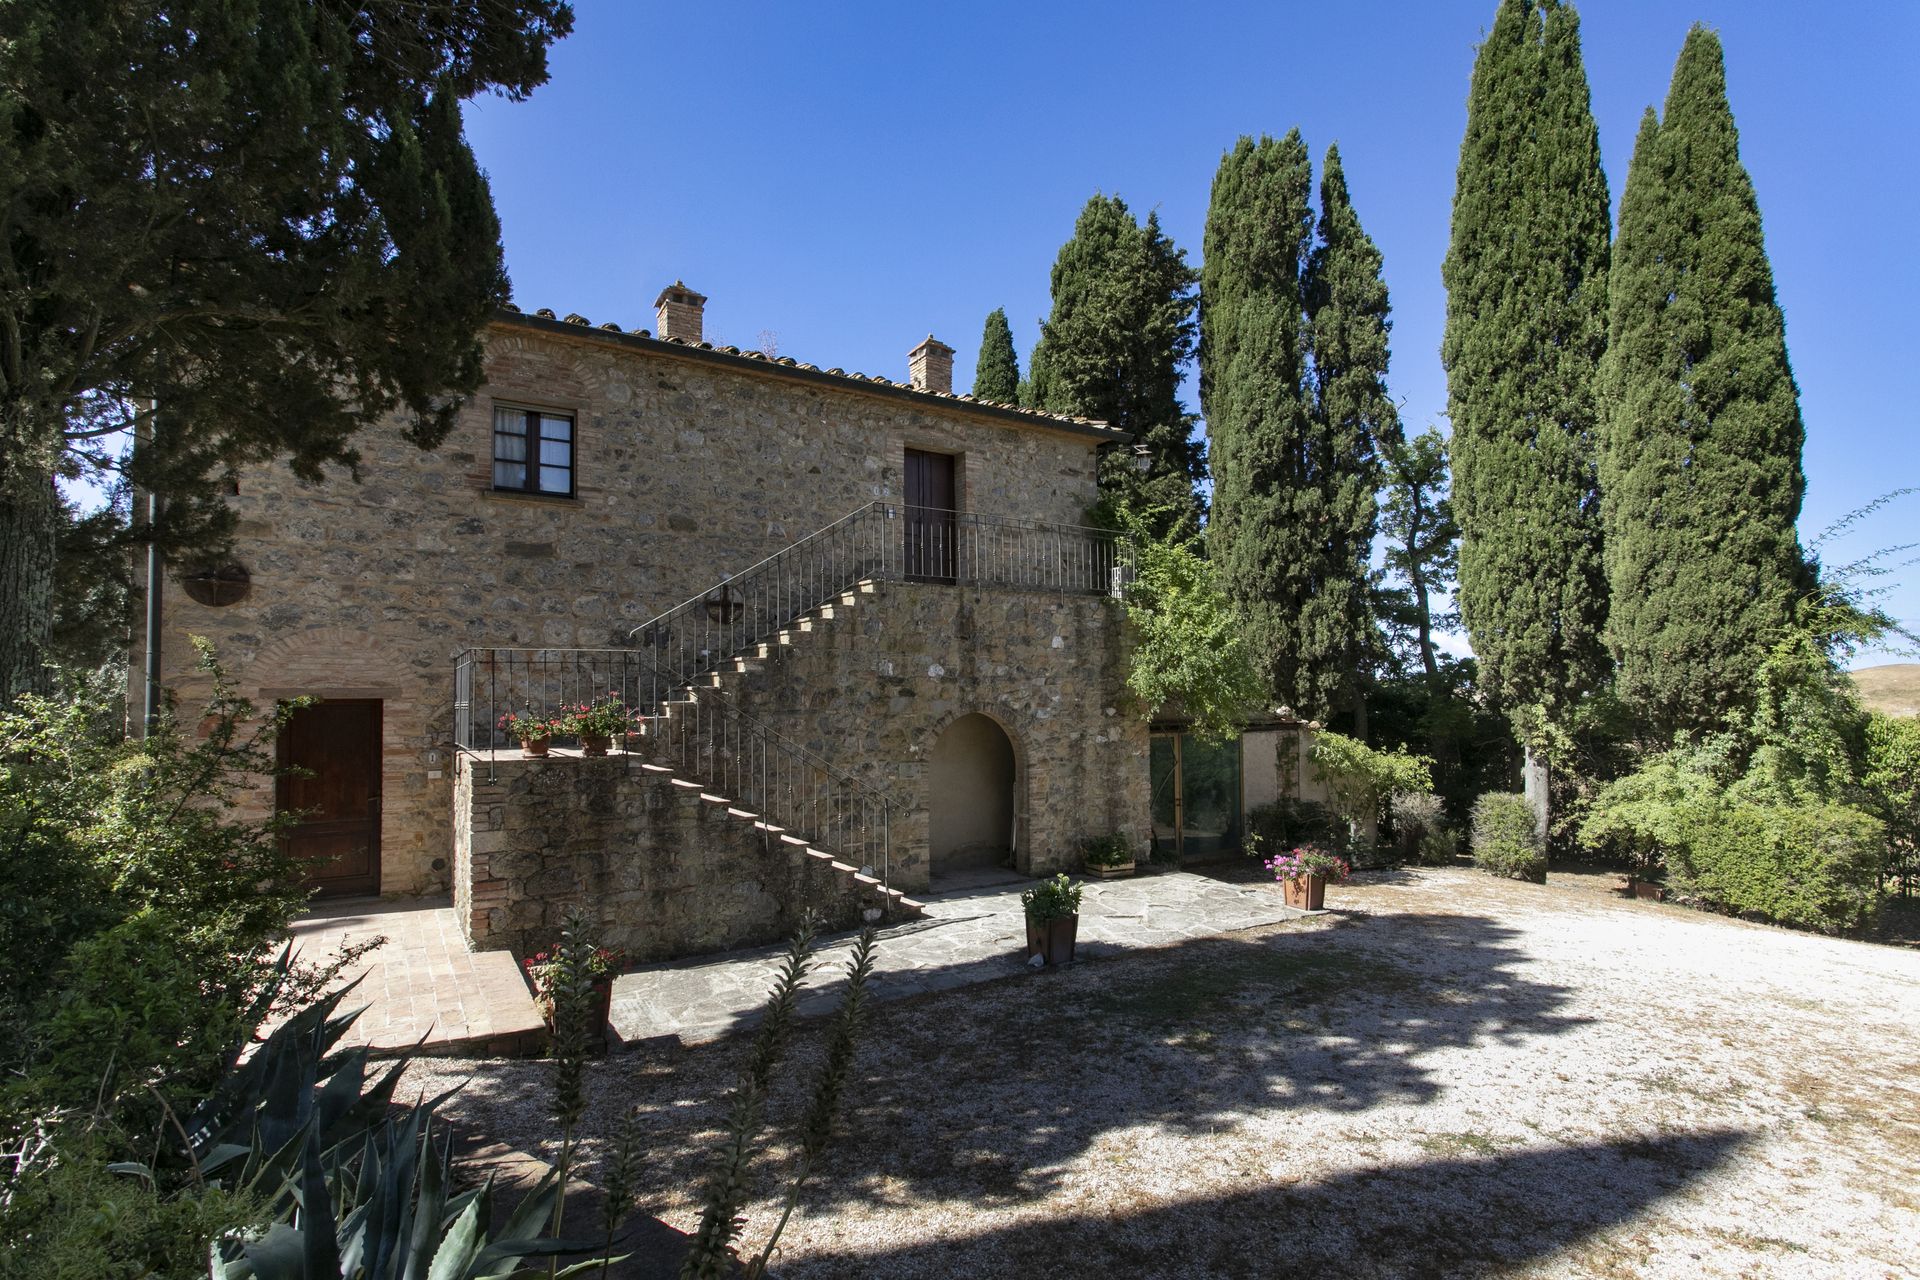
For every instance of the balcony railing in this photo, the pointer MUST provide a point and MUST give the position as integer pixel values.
(884, 541)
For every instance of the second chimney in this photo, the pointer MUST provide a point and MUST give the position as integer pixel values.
(930, 366)
(678, 312)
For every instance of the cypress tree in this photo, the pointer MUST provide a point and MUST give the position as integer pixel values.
(1120, 332)
(1700, 465)
(1354, 422)
(1253, 392)
(996, 375)
(1526, 277)
(1293, 361)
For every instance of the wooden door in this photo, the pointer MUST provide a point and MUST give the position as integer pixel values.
(336, 747)
(930, 516)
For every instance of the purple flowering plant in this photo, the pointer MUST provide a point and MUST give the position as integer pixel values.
(1309, 860)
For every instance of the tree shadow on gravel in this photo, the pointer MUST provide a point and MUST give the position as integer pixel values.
(989, 1100)
(1442, 1217)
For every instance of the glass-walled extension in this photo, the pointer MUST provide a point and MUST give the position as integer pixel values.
(1196, 796)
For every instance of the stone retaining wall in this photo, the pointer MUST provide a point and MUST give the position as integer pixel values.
(661, 873)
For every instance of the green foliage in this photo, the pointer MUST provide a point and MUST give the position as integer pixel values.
(75, 1219)
(1189, 651)
(1420, 827)
(219, 207)
(1293, 358)
(1112, 850)
(1288, 822)
(1891, 780)
(729, 1185)
(1807, 729)
(140, 911)
(1422, 543)
(1359, 778)
(1526, 277)
(1119, 336)
(1054, 899)
(1700, 459)
(1637, 818)
(1811, 865)
(996, 375)
(1505, 841)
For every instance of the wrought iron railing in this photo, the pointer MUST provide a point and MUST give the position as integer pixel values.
(698, 733)
(883, 541)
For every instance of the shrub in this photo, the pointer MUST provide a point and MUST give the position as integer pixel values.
(1420, 827)
(1286, 822)
(1359, 778)
(1814, 866)
(1505, 839)
(1189, 648)
(1891, 781)
(1106, 851)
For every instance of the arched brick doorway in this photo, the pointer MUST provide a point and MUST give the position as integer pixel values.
(970, 804)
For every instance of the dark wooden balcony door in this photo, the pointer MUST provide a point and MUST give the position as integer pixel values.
(337, 746)
(930, 523)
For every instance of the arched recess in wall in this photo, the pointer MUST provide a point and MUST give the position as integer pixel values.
(970, 796)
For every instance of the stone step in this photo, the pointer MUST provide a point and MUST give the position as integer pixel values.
(711, 798)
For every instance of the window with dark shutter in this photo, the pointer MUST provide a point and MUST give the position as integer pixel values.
(532, 451)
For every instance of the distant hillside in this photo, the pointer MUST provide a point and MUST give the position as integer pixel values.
(1894, 688)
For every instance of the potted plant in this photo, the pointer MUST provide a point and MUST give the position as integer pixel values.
(1304, 872)
(602, 966)
(1107, 857)
(1053, 918)
(532, 732)
(597, 722)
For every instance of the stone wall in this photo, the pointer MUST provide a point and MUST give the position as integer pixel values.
(660, 872)
(689, 466)
(875, 688)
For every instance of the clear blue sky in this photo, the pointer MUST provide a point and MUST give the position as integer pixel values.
(850, 177)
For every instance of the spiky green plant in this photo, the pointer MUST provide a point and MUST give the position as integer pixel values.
(571, 987)
(621, 1182)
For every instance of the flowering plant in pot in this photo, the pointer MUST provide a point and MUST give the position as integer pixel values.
(598, 721)
(1304, 873)
(1053, 918)
(546, 969)
(532, 732)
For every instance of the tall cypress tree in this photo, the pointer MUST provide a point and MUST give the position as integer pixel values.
(1253, 391)
(996, 375)
(1354, 423)
(1292, 368)
(1121, 331)
(1700, 466)
(1526, 277)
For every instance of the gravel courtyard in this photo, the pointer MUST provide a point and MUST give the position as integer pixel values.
(1450, 1075)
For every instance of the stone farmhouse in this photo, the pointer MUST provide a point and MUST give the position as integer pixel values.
(861, 632)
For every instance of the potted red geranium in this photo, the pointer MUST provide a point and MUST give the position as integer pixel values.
(598, 722)
(532, 732)
(1304, 873)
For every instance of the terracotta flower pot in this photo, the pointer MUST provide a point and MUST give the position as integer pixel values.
(1053, 939)
(535, 746)
(595, 744)
(1309, 893)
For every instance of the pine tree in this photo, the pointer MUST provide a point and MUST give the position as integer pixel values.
(1700, 465)
(1293, 361)
(262, 218)
(996, 375)
(1120, 333)
(1526, 277)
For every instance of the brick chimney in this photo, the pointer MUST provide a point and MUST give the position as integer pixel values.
(930, 366)
(678, 312)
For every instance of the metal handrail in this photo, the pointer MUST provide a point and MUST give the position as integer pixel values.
(882, 541)
(789, 787)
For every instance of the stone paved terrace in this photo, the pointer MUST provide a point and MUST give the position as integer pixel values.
(974, 931)
(423, 987)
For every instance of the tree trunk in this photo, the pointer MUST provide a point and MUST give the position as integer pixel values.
(29, 526)
(1533, 779)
